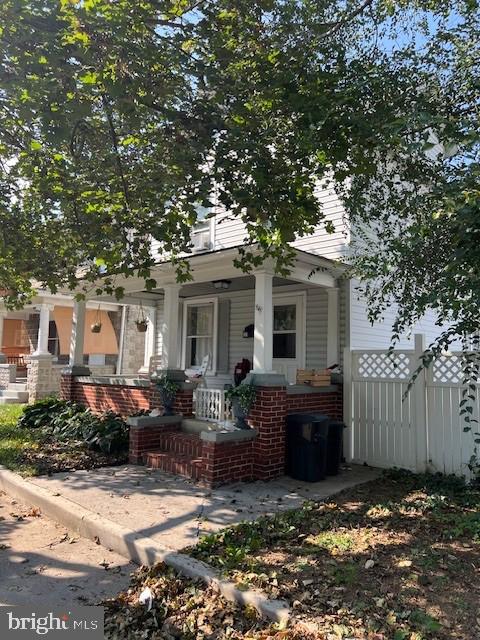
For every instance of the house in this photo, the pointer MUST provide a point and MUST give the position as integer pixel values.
(35, 344)
(280, 324)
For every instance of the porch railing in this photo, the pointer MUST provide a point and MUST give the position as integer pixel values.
(211, 405)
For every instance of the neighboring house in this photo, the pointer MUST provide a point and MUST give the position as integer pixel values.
(35, 343)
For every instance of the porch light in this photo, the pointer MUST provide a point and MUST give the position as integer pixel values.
(222, 284)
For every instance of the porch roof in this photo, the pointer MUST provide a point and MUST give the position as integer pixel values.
(208, 266)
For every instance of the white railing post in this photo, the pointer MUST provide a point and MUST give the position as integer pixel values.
(419, 392)
(348, 448)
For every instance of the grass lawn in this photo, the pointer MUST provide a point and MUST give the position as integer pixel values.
(14, 441)
(33, 452)
(397, 559)
(394, 559)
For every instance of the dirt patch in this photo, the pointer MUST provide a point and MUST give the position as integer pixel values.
(398, 559)
(51, 456)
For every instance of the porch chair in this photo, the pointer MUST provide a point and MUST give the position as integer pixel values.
(155, 364)
(197, 374)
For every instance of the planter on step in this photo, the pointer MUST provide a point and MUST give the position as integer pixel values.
(167, 389)
(168, 401)
(242, 398)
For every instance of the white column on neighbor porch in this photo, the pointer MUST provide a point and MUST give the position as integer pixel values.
(78, 334)
(43, 330)
(149, 349)
(3, 357)
(333, 320)
(170, 326)
(263, 332)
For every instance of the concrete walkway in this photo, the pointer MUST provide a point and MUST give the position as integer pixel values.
(174, 511)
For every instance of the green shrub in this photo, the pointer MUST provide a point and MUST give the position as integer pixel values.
(107, 433)
(70, 421)
(41, 413)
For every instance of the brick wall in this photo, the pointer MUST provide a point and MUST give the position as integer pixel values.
(145, 439)
(227, 462)
(331, 404)
(268, 418)
(123, 399)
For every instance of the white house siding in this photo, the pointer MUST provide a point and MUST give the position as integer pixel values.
(230, 232)
(316, 328)
(365, 336)
(328, 245)
(242, 314)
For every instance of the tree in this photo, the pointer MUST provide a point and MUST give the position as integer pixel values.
(118, 118)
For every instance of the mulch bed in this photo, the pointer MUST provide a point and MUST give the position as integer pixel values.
(395, 559)
(52, 456)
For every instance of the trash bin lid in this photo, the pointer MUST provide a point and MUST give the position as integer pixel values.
(305, 418)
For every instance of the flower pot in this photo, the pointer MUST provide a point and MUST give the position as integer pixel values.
(240, 414)
(96, 327)
(142, 326)
(168, 400)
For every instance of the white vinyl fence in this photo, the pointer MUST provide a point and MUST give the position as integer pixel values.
(422, 431)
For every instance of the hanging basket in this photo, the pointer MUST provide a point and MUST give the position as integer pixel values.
(142, 320)
(142, 325)
(96, 326)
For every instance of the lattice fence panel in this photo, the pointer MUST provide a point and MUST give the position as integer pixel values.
(382, 365)
(448, 369)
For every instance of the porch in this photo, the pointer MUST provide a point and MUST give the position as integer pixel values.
(35, 344)
(278, 324)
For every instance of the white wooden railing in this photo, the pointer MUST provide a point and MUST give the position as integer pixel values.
(211, 405)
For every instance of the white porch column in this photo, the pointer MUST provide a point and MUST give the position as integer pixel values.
(77, 335)
(263, 334)
(333, 320)
(149, 349)
(3, 357)
(170, 326)
(43, 329)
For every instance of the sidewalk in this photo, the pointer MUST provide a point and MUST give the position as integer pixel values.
(174, 511)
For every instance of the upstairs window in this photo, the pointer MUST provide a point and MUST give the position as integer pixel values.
(202, 232)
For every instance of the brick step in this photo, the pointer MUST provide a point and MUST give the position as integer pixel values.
(180, 465)
(185, 444)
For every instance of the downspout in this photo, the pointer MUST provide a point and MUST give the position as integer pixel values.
(123, 322)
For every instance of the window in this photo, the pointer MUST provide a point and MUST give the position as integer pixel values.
(285, 331)
(200, 333)
(202, 231)
(53, 339)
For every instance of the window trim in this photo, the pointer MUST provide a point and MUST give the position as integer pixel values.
(300, 298)
(196, 302)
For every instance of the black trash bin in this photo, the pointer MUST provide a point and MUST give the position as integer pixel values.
(306, 446)
(334, 447)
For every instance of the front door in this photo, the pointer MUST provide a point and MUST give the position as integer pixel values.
(288, 335)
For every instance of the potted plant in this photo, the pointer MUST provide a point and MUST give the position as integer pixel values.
(142, 325)
(141, 321)
(167, 389)
(242, 398)
(96, 327)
